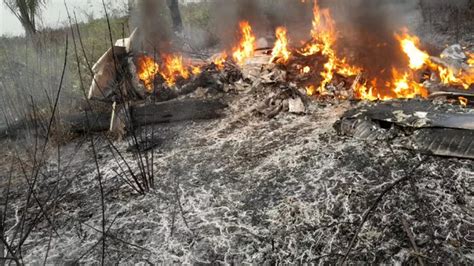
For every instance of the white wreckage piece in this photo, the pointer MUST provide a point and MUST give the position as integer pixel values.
(105, 79)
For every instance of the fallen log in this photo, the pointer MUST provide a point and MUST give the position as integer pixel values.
(135, 115)
(141, 114)
(86, 122)
(79, 123)
(174, 111)
(130, 116)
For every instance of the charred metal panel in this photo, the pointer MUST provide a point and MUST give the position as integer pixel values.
(443, 130)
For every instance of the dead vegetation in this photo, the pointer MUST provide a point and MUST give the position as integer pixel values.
(268, 182)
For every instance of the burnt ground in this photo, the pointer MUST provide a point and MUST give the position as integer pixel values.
(247, 189)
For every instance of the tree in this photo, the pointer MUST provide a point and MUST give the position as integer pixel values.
(175, 15)
(26, 11)
(131, 6)
(149, 6)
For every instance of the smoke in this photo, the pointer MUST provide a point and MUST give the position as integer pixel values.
(263, 15)
(367, 32)
(153, 20)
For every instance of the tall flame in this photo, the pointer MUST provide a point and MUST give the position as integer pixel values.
(409, 45)
(280, 52)
(173, 69)
(324, 36)
(246, 47)
(147, 70)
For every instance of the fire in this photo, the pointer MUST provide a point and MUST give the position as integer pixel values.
(463, 101)
(306, 70)
(280, 53)
(417, 57)
(449, 77)
(220, 60)
(324, 36)
(402, 83)
(173, 69)
(362, 91)
(405, 87)
(470, 60)
(347, 70)
(147, 70)
(196, 70)
(310, 90)
(402, 86)
(246, 48)
(322, 33)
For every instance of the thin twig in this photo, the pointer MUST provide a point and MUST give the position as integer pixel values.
(37, 167)
(94, 153)
(374, 205)
(407, 230)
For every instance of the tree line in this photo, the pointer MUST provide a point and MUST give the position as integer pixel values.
(28, 12)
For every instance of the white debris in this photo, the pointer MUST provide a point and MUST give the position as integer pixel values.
(296, 106)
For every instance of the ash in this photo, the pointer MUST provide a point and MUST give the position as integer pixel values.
(248, 189)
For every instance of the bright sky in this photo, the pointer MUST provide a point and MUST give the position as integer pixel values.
(54, 14)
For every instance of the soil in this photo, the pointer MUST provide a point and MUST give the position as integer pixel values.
(247, 189)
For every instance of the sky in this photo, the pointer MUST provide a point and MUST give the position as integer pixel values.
(54, 13)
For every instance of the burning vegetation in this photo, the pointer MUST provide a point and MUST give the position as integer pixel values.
(320, 66)
(271, 147)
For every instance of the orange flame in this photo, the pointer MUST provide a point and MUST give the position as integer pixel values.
(173, 69)
(310, 90)
(196, 70)
(403, 84)
(147, 70)
(463, 101)
(405, 87)
(246, 48)
(448, 77)
(280, 53)
(323, 32)
(364, 92)
(470, 60)
(220, 60)
(324, 36)
(417, 57)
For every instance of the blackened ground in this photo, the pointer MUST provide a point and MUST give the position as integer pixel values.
(245, 189)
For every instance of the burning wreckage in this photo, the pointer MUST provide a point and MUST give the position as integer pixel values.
(426, 105)
(300, 155)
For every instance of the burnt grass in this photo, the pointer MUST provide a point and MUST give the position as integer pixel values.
(246, 189)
